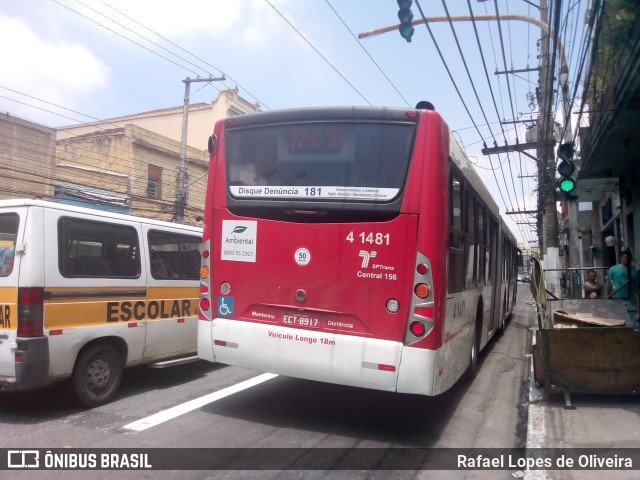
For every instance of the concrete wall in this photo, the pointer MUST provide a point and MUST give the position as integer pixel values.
(26, 158)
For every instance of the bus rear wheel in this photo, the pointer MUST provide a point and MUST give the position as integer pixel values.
(474, 363)
(97, 375)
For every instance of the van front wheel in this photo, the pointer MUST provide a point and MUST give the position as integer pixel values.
(97, 375)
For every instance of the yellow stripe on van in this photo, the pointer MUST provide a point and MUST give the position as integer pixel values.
(8, 308)
(65, 311)
(154, 293)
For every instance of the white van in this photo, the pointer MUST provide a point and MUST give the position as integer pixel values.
(84, 293)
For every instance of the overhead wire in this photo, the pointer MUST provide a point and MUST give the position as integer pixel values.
(515, 92)
(504, 58)
(596, 12)
(455, 85)
(113, 162)
(319, 53)
(186, 51)
(188, 69)
(136, 43)
(475, 125)
(152, 138)
(486, 71)
(368, 54)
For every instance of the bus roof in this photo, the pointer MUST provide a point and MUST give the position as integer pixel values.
(323, 113)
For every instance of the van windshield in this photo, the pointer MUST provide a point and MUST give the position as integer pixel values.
(319, 161)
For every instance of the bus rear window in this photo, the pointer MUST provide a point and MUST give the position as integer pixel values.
(323, 161)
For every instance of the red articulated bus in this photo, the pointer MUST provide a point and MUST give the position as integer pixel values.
(355, 246)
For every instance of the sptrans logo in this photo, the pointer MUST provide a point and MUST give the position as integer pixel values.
(366, 257)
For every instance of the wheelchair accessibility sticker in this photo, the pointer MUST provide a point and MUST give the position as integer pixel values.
(225, 306)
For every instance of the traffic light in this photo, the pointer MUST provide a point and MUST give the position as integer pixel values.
(405, 15)
(565, 151)
(567, 184)
(566, 168)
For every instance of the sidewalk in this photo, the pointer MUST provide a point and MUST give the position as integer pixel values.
(592, 421)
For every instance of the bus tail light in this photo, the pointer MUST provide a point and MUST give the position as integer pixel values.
(30, 312)
(421, 321)
(205, 304)
(422, 290)
(417, 329)
(422, 269)
(204, 272)
(225, 288)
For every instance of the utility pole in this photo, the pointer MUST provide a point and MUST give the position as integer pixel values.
(181, 178)
(548, 234)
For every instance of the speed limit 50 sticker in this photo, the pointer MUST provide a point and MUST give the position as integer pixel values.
(302, 256)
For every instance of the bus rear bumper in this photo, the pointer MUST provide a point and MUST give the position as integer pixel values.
(417, 371)
(320, 356)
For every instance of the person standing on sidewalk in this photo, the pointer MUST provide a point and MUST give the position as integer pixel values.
(591, 288)
(618, 285)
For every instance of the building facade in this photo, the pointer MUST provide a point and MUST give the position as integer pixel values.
(126, 164)
(129, 170)
(608, 160)
(26, 157)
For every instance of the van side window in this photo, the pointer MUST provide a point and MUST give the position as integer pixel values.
(8, 234)
(88, 248)
(174, 256)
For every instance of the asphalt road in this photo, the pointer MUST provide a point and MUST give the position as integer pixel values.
(281, 413)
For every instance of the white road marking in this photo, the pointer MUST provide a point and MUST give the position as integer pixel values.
(171, 413)
(536, 431)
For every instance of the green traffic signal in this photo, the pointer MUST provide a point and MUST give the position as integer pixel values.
(567, 185)
(406, 32)
(566, 168)
(405, 15)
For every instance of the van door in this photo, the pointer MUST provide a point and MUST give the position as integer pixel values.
(12, 225)
(173, 266)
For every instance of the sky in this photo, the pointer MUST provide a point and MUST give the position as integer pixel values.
(71, 61)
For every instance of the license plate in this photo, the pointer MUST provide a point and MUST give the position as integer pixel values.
(301, 320)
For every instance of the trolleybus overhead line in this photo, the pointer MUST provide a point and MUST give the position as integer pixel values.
(187, 52)
(475, 91)
(320, 54)
(448, 16)
(504, 59)
(368, 54)
(455, 85)
(484, 64)
(149, 40)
